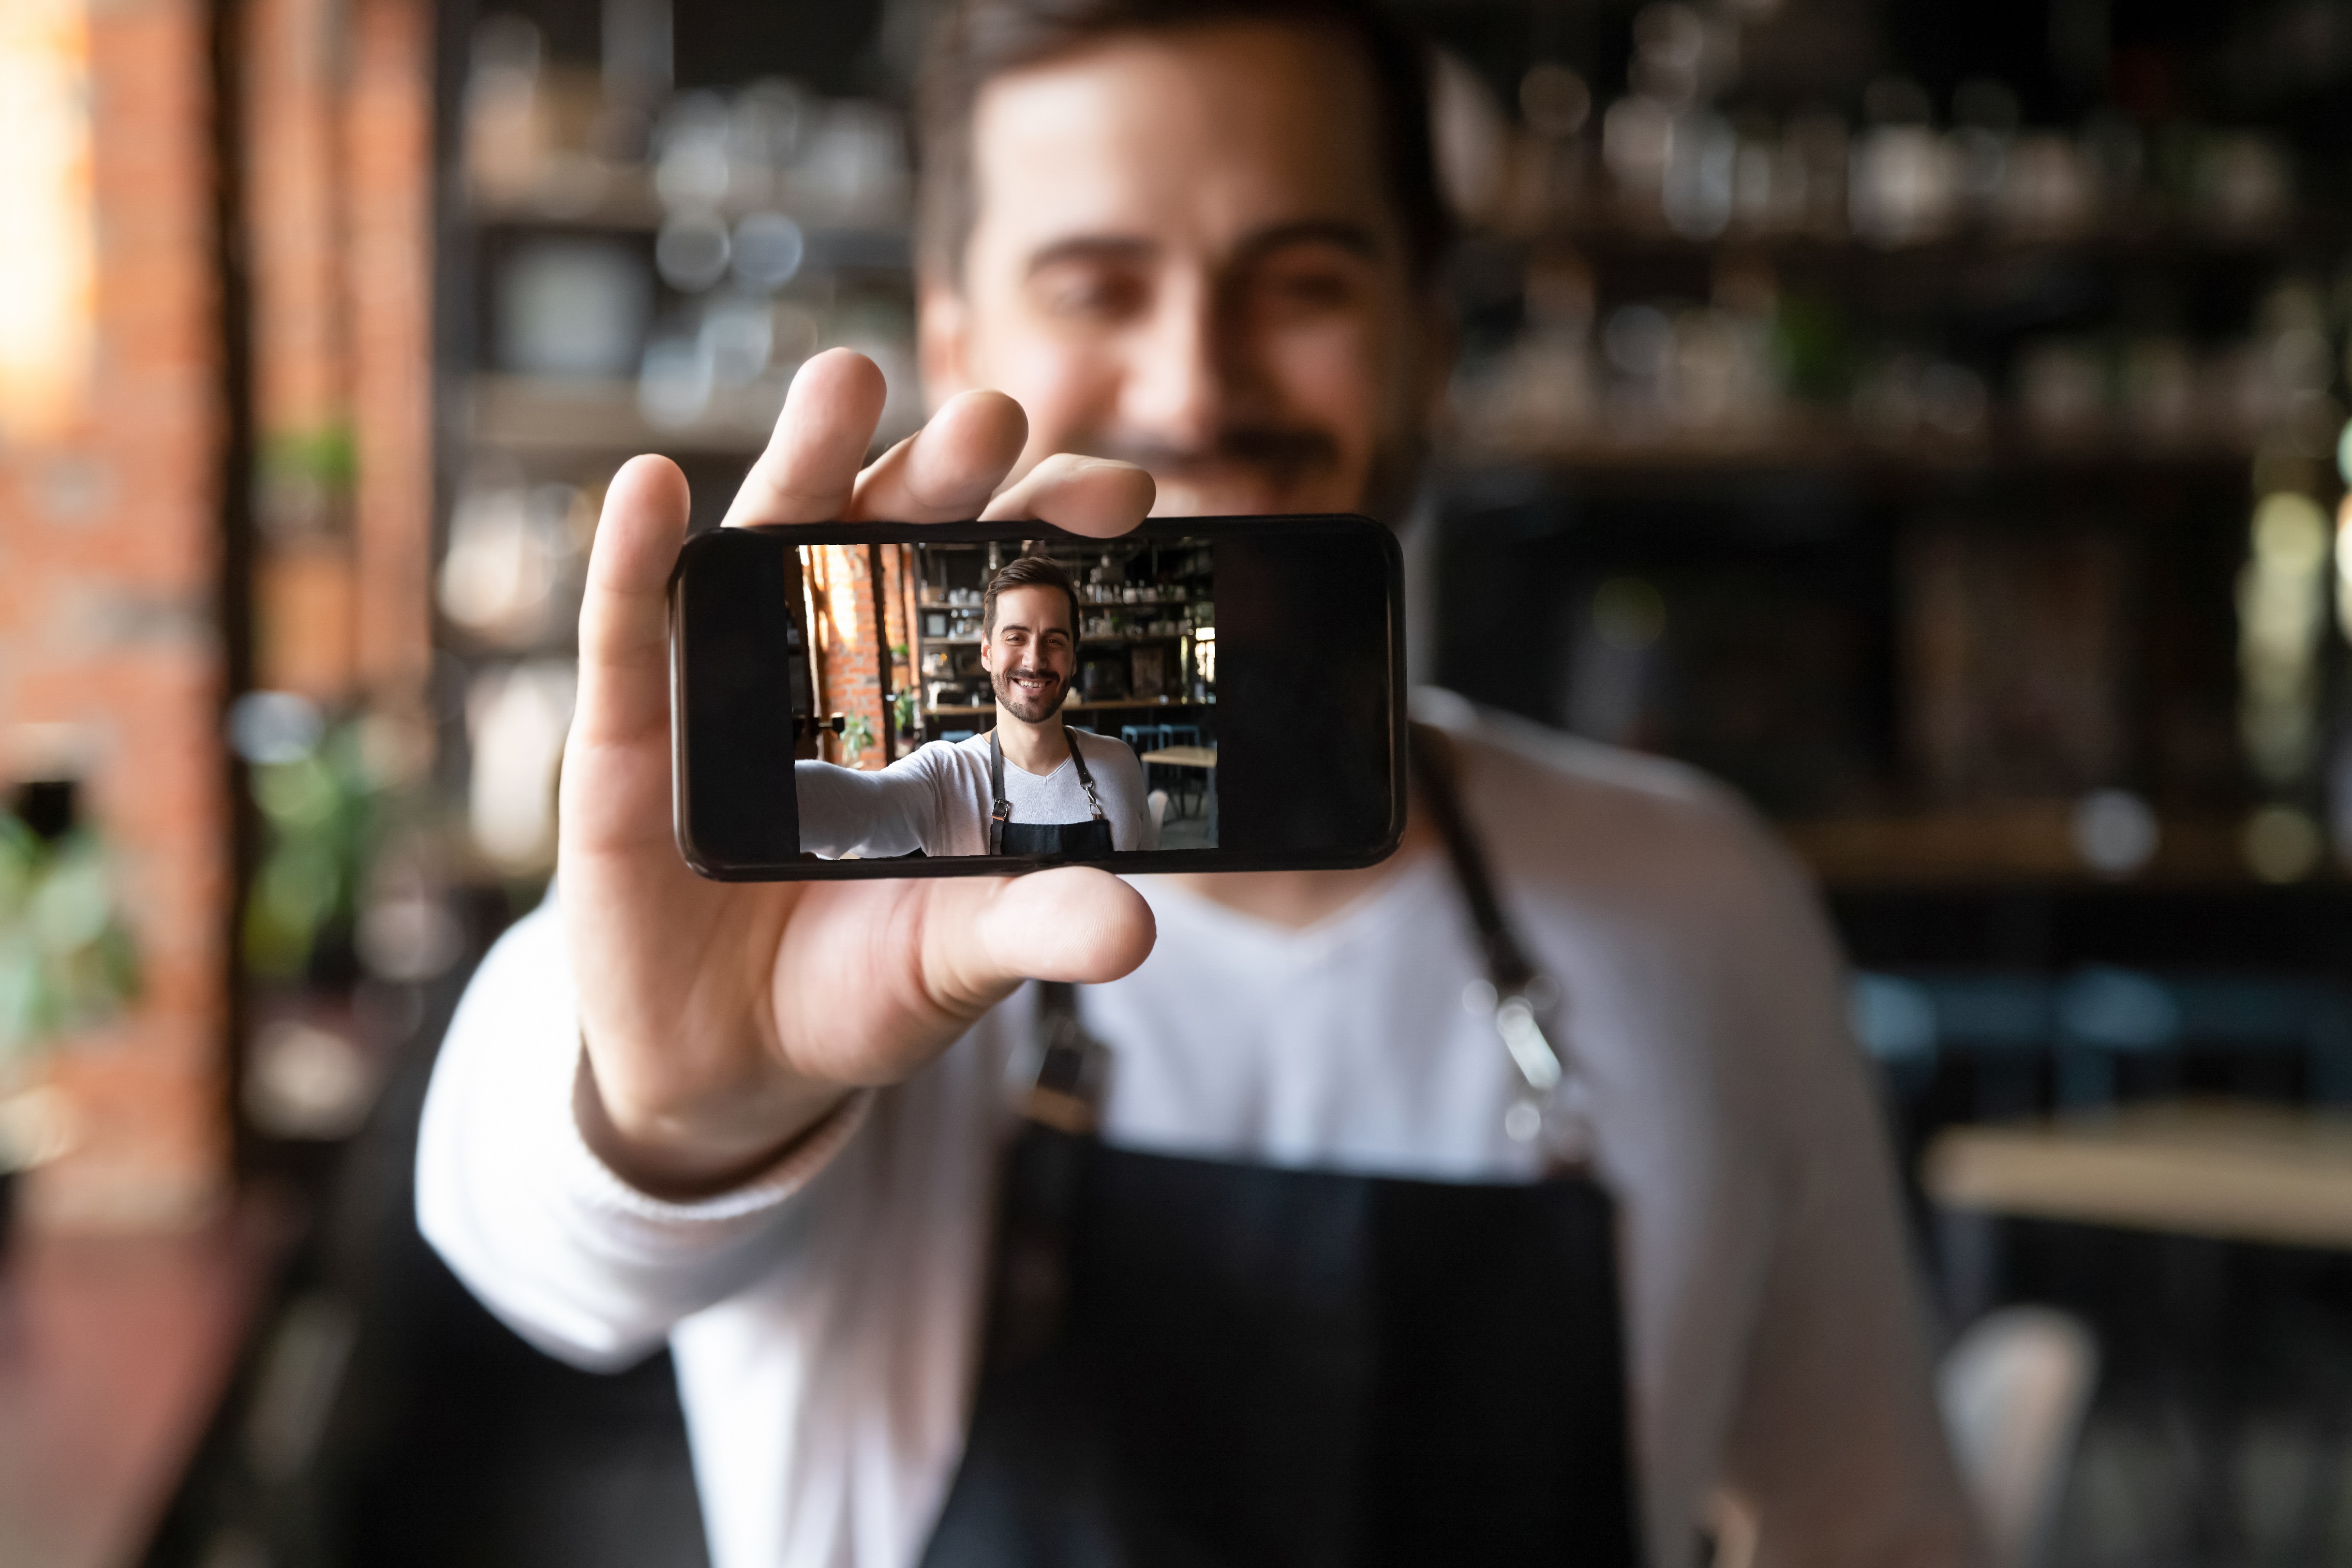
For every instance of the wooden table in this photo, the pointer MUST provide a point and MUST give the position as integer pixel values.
(2226, 1171)
(1201, 757)
(1185, 757)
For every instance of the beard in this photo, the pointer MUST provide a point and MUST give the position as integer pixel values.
(1028, 708)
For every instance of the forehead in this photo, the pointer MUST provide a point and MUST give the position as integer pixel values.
(1033, 605)
(1194, 137)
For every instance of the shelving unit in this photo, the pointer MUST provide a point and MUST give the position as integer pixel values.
(1793, 549)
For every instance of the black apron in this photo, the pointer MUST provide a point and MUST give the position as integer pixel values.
(1192, 1363)
(1089, 840)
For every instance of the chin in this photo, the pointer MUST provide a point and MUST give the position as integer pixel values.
(1038, 711)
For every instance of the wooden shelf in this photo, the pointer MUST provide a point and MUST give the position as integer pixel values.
(2028, 843)
(971, 711)
(1121, 638)
(589, 195)
(538, 415)
(1800, 440)
(2131, 237)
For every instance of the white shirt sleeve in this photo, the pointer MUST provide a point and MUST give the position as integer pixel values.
(1834, 1442)
(574, 1259)
(1132, 801)
(851, 811)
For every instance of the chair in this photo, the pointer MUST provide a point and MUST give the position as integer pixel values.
(2014, 1392)
(1186, 783)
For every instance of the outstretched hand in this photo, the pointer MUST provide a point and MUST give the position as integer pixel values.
(722, 1020)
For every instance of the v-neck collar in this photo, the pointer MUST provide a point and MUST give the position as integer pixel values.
(1253, 941)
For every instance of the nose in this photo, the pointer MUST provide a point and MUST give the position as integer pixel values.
(1177, 381)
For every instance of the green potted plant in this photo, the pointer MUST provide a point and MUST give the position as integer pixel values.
(67, 962)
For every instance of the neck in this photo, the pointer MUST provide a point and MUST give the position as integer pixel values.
(1037, 748)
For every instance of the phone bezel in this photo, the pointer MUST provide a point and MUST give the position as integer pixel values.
(1144, 862)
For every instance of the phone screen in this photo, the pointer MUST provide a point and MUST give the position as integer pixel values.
(894, 699)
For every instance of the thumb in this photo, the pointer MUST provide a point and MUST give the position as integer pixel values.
(877, 977)
(1073, 923)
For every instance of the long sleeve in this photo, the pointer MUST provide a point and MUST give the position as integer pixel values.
(847, 811)
(577, 1261)
(1834, 1443)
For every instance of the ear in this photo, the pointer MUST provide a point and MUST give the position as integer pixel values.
(942, 339)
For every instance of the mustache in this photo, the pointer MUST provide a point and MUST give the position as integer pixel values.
(1283, 452)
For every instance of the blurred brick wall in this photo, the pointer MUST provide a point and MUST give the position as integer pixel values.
(111, 656)
(339, 171)
(107, 627)
(389, 225)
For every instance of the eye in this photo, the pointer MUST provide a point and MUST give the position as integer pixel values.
(1314, 288)
(1311, 280)
(1090, 292)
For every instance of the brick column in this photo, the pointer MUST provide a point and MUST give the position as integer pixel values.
(108, 645)
(841, 588)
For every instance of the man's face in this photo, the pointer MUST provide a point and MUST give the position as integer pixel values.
(1030, 653)
(1185, 256)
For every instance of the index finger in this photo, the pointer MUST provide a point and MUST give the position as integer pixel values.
(809, 469)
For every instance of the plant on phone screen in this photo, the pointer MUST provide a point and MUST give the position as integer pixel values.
(857, 735)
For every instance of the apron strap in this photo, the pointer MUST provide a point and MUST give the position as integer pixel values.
(1516, 993)
(1066, 1091)
(1000, 810)
(1084, 778)
(1433, 770)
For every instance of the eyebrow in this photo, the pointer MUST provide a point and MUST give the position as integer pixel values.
(1354, 237)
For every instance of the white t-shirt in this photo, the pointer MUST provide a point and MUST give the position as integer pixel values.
(824, 1317)
(937, 799)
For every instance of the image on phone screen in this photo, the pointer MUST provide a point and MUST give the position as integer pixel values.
(879, 701)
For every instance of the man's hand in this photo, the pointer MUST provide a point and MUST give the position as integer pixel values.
(722, 1020)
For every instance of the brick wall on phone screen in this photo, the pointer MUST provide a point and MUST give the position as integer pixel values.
(841, 587)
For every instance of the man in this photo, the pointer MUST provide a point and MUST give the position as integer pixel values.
(764, 1122)
(1031, 785)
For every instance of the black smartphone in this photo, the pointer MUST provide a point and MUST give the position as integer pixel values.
(886, 699)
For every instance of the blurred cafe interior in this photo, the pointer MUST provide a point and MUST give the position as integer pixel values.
(1933, 419)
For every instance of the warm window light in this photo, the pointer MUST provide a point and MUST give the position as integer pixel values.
(48, 260)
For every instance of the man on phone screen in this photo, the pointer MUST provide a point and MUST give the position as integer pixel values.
(1185, 256)
(1033, 785)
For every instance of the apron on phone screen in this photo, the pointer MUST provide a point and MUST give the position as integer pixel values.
(1089, 840)
(1199, 1362)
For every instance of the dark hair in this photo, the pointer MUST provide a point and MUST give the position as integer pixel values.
(1027, 572)
(978, 40)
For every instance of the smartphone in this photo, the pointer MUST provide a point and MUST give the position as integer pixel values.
(885, 699)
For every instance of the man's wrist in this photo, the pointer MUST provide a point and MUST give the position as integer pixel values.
(679, 1162)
